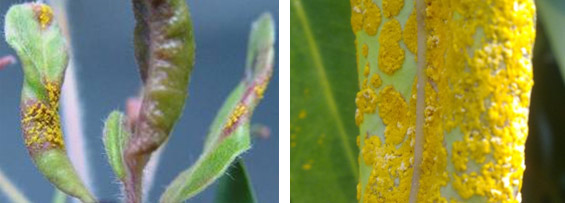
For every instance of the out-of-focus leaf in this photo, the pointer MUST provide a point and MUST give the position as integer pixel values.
(324, 82)
(229, 135)
(552, 15)
(59, 196)
(235, 185)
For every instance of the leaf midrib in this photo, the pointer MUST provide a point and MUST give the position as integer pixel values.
(324, 83)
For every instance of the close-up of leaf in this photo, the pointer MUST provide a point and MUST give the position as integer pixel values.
(323, 76)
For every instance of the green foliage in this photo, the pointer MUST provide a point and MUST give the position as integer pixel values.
(324, 81)
(235, 185)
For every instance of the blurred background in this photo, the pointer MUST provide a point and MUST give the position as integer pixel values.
(107, 75)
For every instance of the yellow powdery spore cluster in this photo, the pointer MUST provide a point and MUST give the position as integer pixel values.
(393, 110)
(392, 7)
(239, 111)
(391, 55)
(391, 169)
(41, 122)
(478, 83)
(366, 99)
(410, 34)
(485, 90)
(44, 14)
(365, 15)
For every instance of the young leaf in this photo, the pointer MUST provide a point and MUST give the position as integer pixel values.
(235, 185)
(229, 133)
(116, 136)
(36, 37)
(323, 163)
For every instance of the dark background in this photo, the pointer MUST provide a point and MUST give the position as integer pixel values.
(107, 76)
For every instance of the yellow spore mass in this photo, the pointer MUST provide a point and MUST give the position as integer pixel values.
(237, 113)
(409, 35)
(44, 15)
(392, 7)
(478, 83)
(391, 55)
(41, 122)
(371, 18)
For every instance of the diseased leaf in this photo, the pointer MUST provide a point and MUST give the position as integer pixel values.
(552, 15)
(36, 37)
(323, 77)
(235, 185)
(229, 135)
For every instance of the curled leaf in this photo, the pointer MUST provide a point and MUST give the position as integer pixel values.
(229, 134)
(164, 48)
(37, 39)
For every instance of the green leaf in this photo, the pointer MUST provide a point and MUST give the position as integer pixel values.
(229, 134)
(552, 15)
(39, 44)
(235, 185)
(115, 138)
(322, 109)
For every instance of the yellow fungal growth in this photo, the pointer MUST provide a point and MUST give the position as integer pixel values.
(307, 166)
(367, 70)
(302, 114)
(392, 7)
(358, 191)
(410, 33)
(239, 111)
(372, 18)
(356, 15)
(478, 83)
(44, 15)
(376, 81)
(260, 90)
(365, 50)
(391, 55)
(394, 113)
(41, 122)
(366, 102)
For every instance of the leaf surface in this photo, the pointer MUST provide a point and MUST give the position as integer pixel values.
(323, 77)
